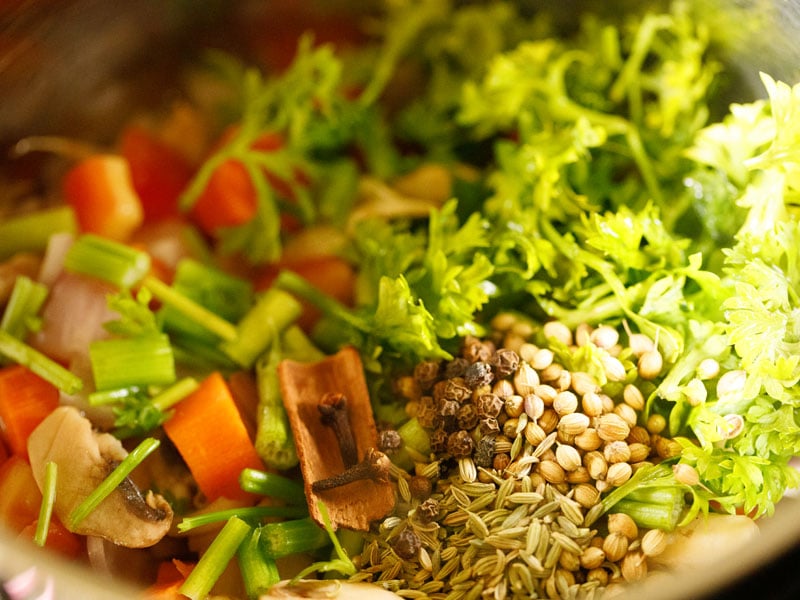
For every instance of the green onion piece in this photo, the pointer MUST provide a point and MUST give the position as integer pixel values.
(652, 516)
(23, 305)
(110, 483)
(191, 309)
(290, 537)
(245, 513)
(272, 313)
(45, 367)
(105, 397)
(272, 485)
(48, 501)
(658, 494)
(31, 232)
(259, 572)
(107, 260)
(169, 397)
(225, 295)
(200, 358)
(125, 362)
(213, 562)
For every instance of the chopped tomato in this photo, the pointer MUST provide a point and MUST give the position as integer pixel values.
(159, 173)
(20, 498)
(59, 538)
(101, 191)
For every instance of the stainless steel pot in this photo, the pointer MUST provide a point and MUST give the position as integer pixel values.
(80, 67)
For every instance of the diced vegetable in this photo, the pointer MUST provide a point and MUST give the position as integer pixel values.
(101, 192)
(25, 400)
(158, 172)
(210, 435)
(124, 362)
(20, 312)
(20, 497)
(228, 200)
(31, 232)
(105, 259)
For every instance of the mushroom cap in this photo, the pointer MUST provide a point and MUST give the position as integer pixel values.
(84, 459)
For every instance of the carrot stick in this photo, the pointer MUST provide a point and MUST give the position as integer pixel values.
(209, 433)
(25, 400)
(100, 190)
(20, 497)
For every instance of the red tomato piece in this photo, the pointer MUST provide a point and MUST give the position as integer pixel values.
(159, 173)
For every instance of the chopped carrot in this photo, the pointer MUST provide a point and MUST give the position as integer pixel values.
(228, 200)
(158, 172)
(25, 400)
(245, 393)
(171, 575)
(3, 453)
(59, 538)
(209, 433)
(20, 498)
(101, 191)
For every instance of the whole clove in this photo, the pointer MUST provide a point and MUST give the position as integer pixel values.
(333, 411)
(374, 467)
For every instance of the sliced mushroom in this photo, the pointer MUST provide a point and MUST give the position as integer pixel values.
(328, 588)
(85, 458)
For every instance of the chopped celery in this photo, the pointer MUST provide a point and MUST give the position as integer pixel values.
(48, 501)
(26, 299)
(274, 441)
(107, 260)
(245, 513)
(259, 572)
(225, 295)
(31, 232)
(46, 368)
(272, 485)
(124, 362)
(190, 309)
(272, 313)
(290, 537)
(296, 345)
(341, 563)
(213, 562)
(110, 483)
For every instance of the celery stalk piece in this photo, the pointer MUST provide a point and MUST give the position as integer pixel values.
(26, 299)
(259, 572)
(227, 296)
(107, 260)
(652, 515)
(48, 501)
(124, 362)
(191, 309)
(110, 483)
(45, 367)
(272, 313)
(274, 440)
(30, 232)
(213, 562)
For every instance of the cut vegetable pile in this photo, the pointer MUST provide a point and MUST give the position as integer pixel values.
(466, 304)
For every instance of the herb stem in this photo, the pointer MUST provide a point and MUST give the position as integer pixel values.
(48, 501)
(244, 513)
(46, 368)
(110, 483)
(272, 485)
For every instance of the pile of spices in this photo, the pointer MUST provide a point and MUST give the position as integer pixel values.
(523, 446)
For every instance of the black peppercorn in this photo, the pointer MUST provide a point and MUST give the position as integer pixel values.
(428, 511)
(438, 440)
(389, 441)
(426, 373)
(406, 544)
(477, 374)
(456, 367)
(460, 444)
(484, 451)
(467, 416)
(505, 362)
(488, 405)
